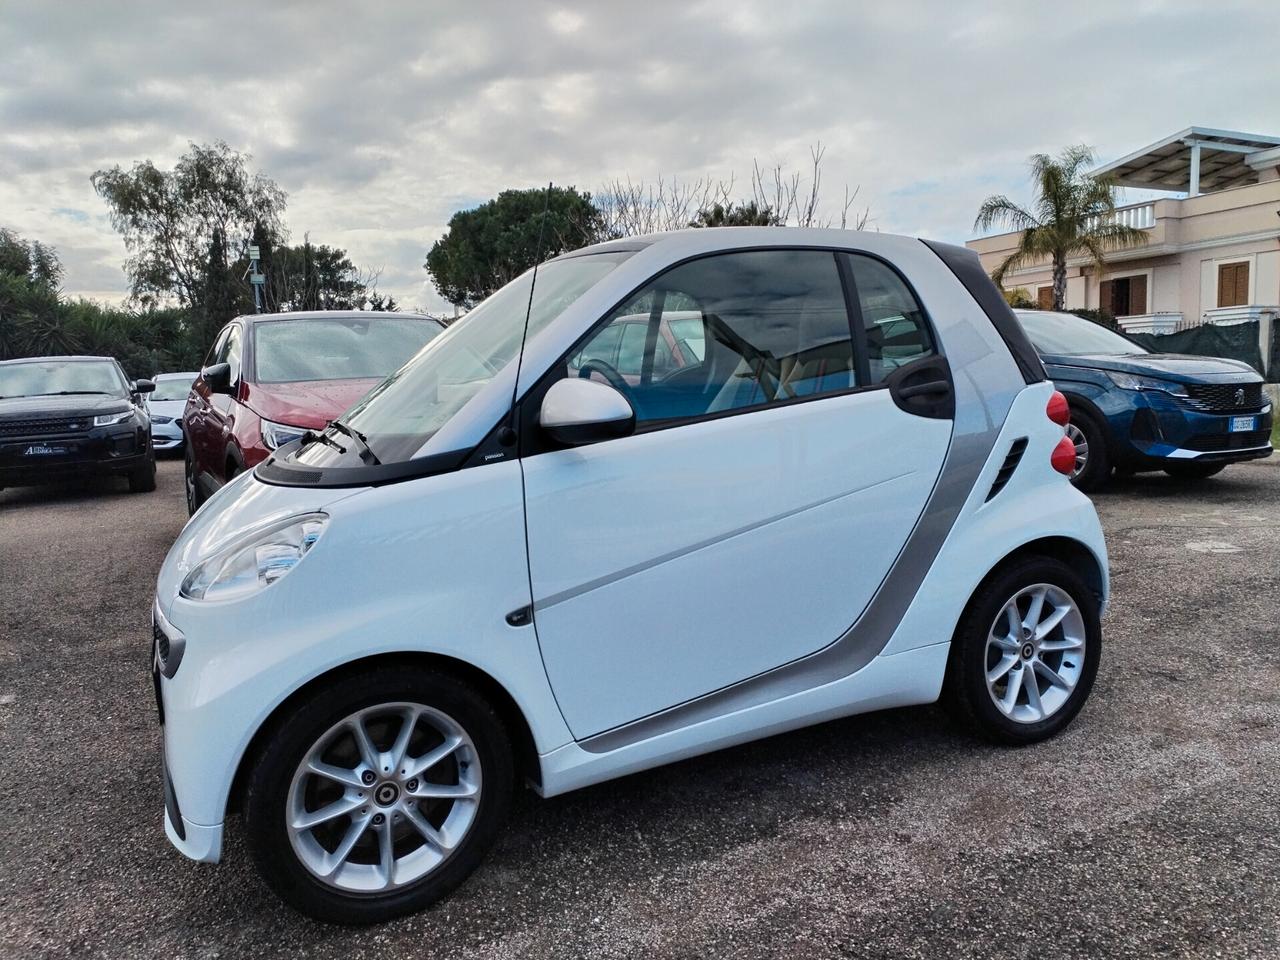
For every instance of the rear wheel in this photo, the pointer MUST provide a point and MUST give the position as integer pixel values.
(379, 795)
(1026, 652)
(1193, 471)
(143, 478)
(1093, 464)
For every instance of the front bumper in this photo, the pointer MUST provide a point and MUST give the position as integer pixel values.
(198, 841)
(166, 436)
(1159, 429)
(102, 451)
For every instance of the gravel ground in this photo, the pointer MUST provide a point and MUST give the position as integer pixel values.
(1147, 830)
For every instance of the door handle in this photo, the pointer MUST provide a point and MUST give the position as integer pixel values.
(925, 389)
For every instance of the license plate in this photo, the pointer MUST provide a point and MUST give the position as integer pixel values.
(1242, 424)
(44, 450)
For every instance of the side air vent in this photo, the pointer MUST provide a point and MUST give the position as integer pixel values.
(1011, 461)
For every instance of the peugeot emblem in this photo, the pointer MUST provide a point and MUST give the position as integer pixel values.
(1239, 396)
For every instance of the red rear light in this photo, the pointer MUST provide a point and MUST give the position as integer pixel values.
(1063, 457)
(1057, 410)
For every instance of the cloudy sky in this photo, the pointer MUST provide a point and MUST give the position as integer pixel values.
(381, 120)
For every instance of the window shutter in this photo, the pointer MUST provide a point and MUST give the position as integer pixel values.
(1104, 297)
(1233, 284)
(1137, 296)
(1044, 298)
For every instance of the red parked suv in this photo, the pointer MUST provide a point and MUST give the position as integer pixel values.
(271, 377)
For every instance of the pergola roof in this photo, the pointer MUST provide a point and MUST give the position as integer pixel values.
(1167, 164)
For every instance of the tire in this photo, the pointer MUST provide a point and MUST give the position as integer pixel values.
(278, 783)
(194, 499)
(143, 478)
(1193, 471)
(1095, 470)
(976, 654)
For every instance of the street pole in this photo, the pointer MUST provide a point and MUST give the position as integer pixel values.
(255, 277)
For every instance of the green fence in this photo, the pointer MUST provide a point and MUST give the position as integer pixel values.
(1236, 342)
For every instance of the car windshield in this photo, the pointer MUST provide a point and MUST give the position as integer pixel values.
(336, 348)
(404, 411)
(39, 378)
(1065, 334)
(170, 389)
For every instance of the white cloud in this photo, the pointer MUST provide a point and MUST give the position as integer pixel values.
(381, 120)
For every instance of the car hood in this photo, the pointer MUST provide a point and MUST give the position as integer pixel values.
(38, 408)
(1177, 367)
(310, 403)
(167, 408)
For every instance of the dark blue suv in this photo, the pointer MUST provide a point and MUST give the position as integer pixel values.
(1135, 410)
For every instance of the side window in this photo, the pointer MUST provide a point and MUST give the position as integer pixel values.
(631, 352)
(218, 343)
(896, 330)
(230, 353)
(752, 328)
(603, 347)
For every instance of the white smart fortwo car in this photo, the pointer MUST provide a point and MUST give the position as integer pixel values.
(832, 480)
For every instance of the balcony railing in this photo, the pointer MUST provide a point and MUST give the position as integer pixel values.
(1137, 215)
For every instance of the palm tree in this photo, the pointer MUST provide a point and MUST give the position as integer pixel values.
(1074, 216)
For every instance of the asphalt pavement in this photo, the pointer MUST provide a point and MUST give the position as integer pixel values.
(1149, 829)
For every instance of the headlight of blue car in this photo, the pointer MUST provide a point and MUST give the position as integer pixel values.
(1130, 381)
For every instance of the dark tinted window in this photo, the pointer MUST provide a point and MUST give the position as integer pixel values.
(773, 328)
(897, 332)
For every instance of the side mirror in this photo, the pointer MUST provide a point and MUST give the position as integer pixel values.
(144, 386)
(217, 377)
(584, 411)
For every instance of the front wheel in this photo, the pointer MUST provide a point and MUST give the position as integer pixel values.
(194, 500)
(379, 795)
(1193, 471)
(1093, 464)
(1026, 652)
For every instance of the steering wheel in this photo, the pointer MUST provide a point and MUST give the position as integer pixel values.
(610, 373)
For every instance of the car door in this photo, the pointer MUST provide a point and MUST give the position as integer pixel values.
(762, 499)
(195, 416)
(223, 407)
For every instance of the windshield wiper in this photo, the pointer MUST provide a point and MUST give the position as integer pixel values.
(367, 453)
(71, 393)
(311, 436)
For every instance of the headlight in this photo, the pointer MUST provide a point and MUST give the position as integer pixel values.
(254, 561)
(107, 419)
(278, 434)
(1129, 381)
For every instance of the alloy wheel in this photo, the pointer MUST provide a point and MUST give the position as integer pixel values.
(1035, 653)
(1077, 437)
(384, 797)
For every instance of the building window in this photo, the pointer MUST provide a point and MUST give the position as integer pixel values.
(1044, 298)
(1124, 296)
(1233, 284)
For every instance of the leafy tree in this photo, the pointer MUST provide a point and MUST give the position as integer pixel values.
(29, 261)
(497, 241)
(218, 302)
(309, 276)
(168, 218)
(1073, 215)
(748, 214)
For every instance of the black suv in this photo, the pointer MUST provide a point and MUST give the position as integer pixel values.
(65, 417)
